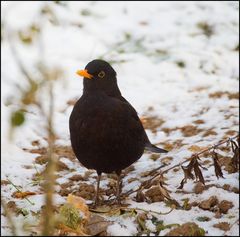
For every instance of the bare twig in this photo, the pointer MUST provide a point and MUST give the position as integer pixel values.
(201, 152)
(146, 183)
(32, 203)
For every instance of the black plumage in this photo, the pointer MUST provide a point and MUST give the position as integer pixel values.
(105, 130)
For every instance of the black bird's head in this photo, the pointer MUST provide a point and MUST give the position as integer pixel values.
(99, 75)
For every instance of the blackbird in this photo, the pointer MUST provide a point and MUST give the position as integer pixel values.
(105, 130)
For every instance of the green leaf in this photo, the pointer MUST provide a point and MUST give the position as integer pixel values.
(17, 118)
(203, 218)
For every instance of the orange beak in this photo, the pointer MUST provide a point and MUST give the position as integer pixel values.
(84, 73)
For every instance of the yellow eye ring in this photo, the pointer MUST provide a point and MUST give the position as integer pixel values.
(101, 74)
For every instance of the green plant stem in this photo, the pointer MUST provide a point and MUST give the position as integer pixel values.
(19, 190)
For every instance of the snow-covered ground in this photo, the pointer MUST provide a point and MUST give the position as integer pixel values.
(176, 62)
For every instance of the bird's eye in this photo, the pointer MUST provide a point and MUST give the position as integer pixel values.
(101, 74)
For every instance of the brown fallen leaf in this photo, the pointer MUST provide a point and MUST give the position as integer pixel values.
(66, 231)
(195, 148)
(80, 204)
(97, 225)
(21, 195)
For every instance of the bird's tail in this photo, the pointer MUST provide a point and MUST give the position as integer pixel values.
(153, 148)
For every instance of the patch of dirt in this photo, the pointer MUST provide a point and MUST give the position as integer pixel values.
(4, 182)
(231, 133)
(187, 229)
(42, 159)
(62, 166)
(61, 151)
(190, 130)
(222, 226)
(152, 123)
(97, 225)
(199, 188)
(154, 194)
(219, 94)
(176, 169)
(168, 146)
(154, 157)
(35, 143)
(167, 160)
(224, 206)
(168, 130)
(209, 204)
(65, 151)
(195, 148)
(86, 191)
(64, 192)
(199, 121)
(209, 132)
(230, 189)
(88, 173)
(76, 177)
(173, 145)
(227, 163)
(67, 185)
(12, 206)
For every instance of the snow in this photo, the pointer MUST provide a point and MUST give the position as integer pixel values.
(151, 37)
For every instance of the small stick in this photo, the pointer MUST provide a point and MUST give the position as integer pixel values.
(179, 164)
(32, 203)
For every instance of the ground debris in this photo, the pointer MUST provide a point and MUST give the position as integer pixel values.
(224, 206)
(187, 229)
(209, 203)
(222, 226)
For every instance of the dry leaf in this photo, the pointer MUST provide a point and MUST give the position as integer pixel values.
(97, 225)
(21, 195)
(235, 159)
(197, 171)
(80, 204)
(195, 148)
(164, 192)
(140, 197)
(217, 167)
(65, 231)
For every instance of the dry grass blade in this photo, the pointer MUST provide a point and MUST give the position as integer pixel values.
(217, 167)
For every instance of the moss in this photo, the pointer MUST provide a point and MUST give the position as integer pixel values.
(70, 216)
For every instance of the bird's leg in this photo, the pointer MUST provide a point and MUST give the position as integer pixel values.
(119, 187)
(97, 191)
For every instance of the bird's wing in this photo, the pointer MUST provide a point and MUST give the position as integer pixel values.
(148, 145)
(135, 115)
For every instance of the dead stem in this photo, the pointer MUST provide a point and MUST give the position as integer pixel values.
(145, 183)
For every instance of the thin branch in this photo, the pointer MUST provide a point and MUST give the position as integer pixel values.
(19, 190)
(145, 183)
